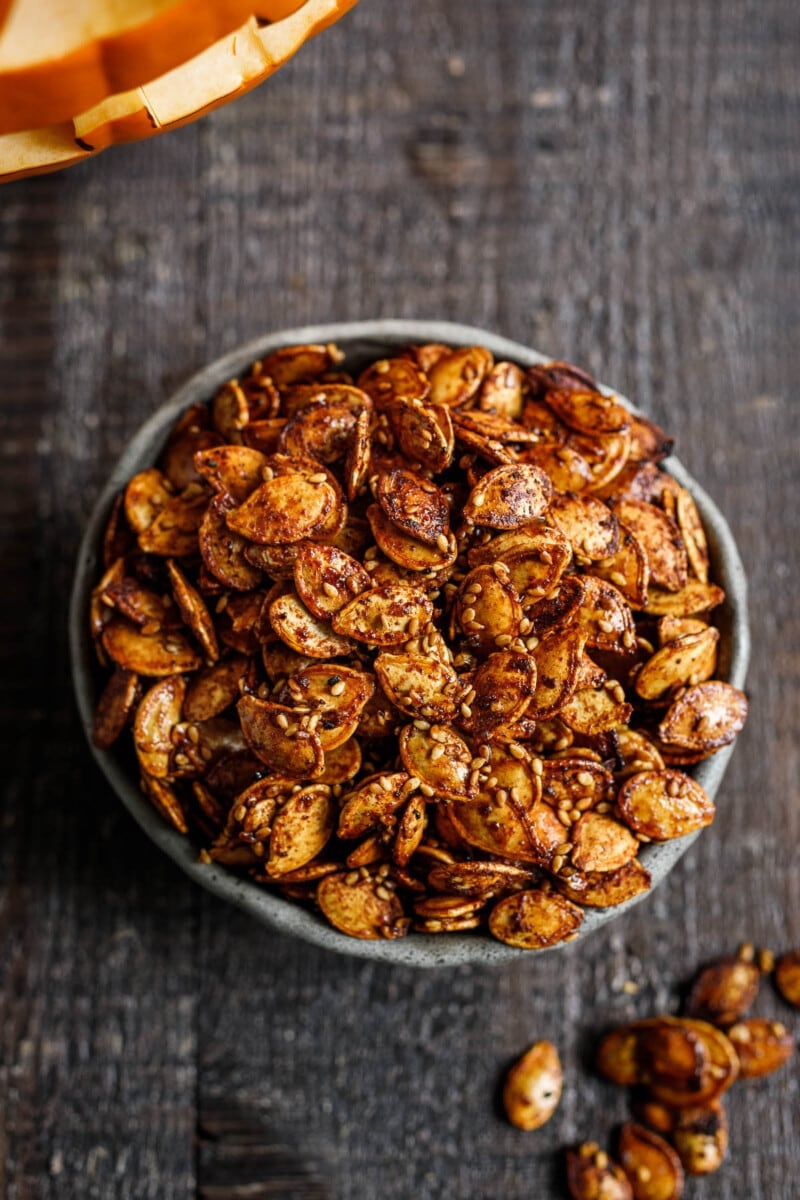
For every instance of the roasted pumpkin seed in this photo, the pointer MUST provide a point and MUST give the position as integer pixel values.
(509, 497)
(723, 991)
(700, 1137)
(534, 919)
(761, 1046)
(591, 1175)
(787, 977)
(301, 829)
(115, 707)
(653, 1168)
(704, 717)
(533, 1087)
(664, 804)
(361, 907)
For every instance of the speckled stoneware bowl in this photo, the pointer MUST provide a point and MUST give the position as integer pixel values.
(362, 342)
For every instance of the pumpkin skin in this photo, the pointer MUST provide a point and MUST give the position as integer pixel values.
(224, 70)
(56, 63)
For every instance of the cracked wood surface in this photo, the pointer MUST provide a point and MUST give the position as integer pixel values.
(614, 183)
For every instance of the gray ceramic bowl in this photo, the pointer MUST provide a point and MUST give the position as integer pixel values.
(362, 342)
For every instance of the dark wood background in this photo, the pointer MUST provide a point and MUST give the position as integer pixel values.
(613, 181)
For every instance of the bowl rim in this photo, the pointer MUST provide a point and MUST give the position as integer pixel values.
(373, 338)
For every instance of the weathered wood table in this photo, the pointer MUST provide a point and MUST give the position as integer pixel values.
(613, 182)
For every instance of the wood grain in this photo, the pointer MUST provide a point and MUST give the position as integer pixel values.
(613, 182)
